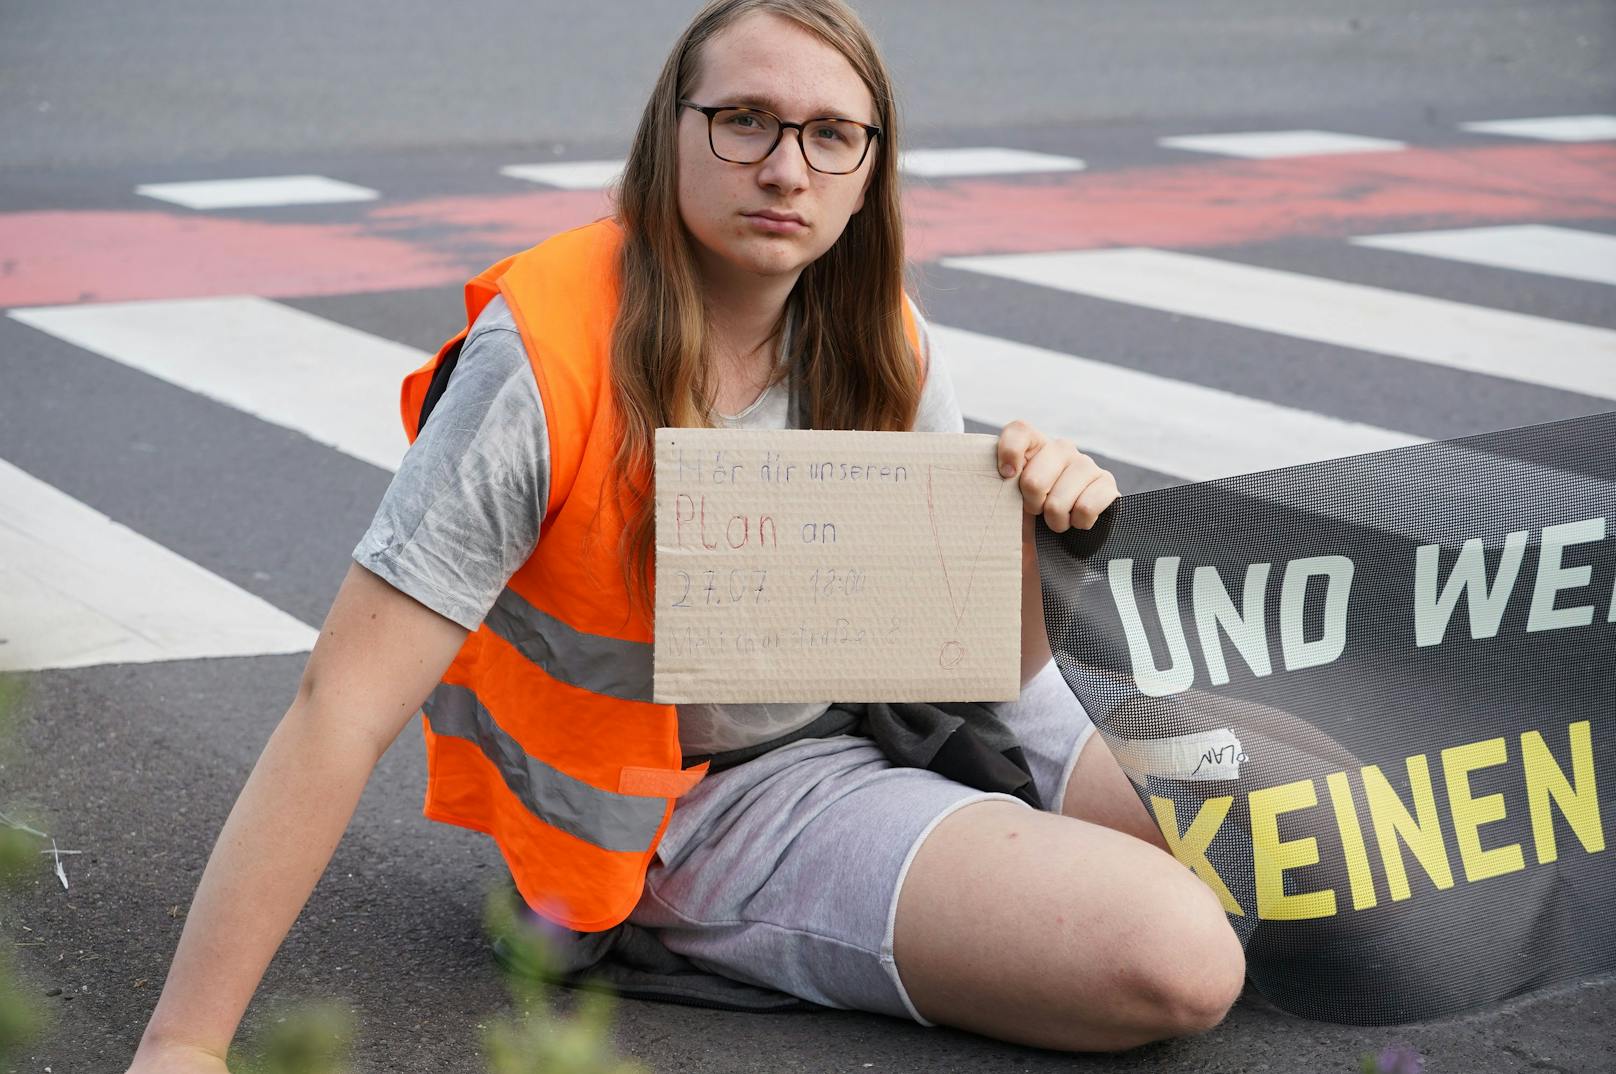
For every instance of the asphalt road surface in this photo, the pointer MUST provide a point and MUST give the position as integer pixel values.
(1236, 217)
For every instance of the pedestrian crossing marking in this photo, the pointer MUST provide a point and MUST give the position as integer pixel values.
(986, 160)
(82, 590)
(1500, 343)
(568, 174)
(1170, 426)
(328, 381)
(261, 192)
(1267, 145)
(337, 384)
(1539, 248)
(1589, 128)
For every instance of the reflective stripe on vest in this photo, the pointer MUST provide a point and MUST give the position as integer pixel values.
(615, 667)
(609, 821)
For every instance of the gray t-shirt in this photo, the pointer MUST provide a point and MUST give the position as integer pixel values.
(463, 511)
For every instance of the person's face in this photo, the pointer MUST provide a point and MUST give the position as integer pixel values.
(793, 74)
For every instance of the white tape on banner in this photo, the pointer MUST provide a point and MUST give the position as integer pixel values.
(1199, 757)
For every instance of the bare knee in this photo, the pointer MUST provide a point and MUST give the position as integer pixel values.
(1172, 967)
(1182, 986)
(1151, 957)
(1194, 972)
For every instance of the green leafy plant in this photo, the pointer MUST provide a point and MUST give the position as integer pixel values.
(538, 1040)
(315, 1038)
(311, 1038)
(23, 1019)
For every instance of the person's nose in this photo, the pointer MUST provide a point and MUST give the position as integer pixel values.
(787, 167)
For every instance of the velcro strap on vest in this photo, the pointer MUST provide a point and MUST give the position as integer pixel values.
(660, 782)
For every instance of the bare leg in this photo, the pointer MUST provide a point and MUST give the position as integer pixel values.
(1053, 931)
(1100, 793)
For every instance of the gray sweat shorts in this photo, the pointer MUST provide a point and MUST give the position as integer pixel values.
(784, 871)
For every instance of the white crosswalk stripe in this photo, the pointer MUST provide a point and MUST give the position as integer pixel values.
(568, 175)
(1268, 145)
(260, 192)
(1500, 343)
(1589, 128)
(1549, 251)
(941, 163)
(274, 362)
(1166, 425)
(78, 589)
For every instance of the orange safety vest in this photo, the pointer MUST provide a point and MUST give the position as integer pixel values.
(543, 734)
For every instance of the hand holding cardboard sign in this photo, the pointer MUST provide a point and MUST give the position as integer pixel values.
(1055, 479)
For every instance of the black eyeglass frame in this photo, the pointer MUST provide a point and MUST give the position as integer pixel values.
(710, 110)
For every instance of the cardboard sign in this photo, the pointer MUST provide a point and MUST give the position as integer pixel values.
(796, 565)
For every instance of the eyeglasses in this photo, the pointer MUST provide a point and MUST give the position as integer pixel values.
(747, 135)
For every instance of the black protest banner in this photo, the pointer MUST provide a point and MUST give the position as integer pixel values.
(1372, 703)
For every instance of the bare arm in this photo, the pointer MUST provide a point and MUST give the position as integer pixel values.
(378, 656)
(1034, 639)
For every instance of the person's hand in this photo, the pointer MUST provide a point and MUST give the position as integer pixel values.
(1056, 480)
(175, 1059)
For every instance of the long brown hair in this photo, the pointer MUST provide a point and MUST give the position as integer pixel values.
(850, 358)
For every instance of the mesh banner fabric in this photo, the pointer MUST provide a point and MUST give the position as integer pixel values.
(1372, 703)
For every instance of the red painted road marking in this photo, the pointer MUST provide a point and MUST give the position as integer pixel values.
(61, 257)
(1232, 202)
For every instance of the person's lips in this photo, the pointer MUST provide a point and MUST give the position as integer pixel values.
(776, 222)
(780, 223)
